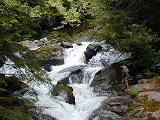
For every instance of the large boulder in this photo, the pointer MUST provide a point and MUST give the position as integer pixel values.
(92, 50)
(140, 102)
(47, 52)
(32, 45)
(106, 78)
(49, 55)
(63, 90)
(113, 108)
(76, 76)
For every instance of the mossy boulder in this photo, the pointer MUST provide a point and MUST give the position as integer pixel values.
(62, 87)
(147, 100)
(64, 81)
(49, 55)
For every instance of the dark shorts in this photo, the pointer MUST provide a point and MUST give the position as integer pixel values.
(124, 75)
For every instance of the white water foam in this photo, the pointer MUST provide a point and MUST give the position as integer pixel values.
(85, 100)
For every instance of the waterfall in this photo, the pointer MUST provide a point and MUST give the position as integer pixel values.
(85, 100)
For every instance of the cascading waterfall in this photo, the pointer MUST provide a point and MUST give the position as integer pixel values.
(85, 100)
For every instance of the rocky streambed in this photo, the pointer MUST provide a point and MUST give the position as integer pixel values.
(140, 102)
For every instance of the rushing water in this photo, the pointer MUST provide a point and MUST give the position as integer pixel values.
(85, 100)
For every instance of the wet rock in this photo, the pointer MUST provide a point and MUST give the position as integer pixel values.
(92, 50)
(63, 90)
(49, 55)
(64, 81)
(71, 98)
(66, 45)
(76, 76)
(104, 77)
(78, 43)
(41, 116)
(112, 108)
(104, 115)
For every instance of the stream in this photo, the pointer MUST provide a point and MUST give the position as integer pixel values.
(85, 100)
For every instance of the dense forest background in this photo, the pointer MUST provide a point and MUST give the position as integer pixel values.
(128, 25)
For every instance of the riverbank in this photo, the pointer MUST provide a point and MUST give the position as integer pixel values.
(140, 102)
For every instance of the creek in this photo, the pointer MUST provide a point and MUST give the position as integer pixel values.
(85, 100)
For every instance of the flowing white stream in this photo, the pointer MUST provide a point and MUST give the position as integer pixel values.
(85, 100)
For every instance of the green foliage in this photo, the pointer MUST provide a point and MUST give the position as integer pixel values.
(119, 26)
(133, 94)
(13, 107)
(9, 114)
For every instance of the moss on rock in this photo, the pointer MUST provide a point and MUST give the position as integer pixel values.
(148, 99)
(63, 87)
(59, 88)
(46, 52)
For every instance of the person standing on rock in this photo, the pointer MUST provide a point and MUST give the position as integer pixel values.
(125, 76)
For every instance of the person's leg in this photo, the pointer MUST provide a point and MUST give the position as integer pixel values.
(126, 83)
(123, 84)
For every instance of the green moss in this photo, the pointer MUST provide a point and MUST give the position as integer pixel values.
(149, 105)
(133, 94)
(46, 52)
(150, 117)
(59, 88)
